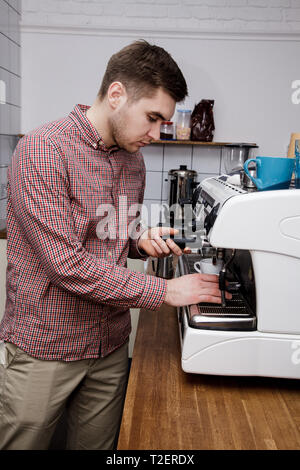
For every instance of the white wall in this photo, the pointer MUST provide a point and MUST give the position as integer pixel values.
(250, 80)
(168, 15)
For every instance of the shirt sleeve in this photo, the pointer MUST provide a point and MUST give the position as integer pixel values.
(41, 201)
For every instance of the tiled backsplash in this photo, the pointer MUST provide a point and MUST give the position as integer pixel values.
(159, 159)
(10, 91)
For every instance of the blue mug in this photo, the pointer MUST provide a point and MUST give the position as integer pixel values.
(271, 172)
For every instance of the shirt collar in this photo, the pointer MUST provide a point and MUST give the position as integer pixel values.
(88, 131)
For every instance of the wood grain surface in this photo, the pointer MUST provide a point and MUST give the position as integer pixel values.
(167, 409)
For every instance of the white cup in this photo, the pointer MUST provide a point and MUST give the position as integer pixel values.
(206, 266)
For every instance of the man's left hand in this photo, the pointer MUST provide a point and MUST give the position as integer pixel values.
(152, 243)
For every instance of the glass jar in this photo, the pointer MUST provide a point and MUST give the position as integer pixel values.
(183, 124)
(235, 155)
(166, 130)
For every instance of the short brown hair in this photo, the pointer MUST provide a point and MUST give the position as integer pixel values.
(142, 68)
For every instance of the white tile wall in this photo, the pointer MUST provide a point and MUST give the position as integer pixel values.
(206, 161)
(5, 118)
(4, 51)
(15, 120)
(13, 25)
(14, 58)
(202, 176)
(16, 5)
(13, 88)
(172, 15)
(176, 155)
(3, 181)
(10, 105)
(9, 120)
(165, 187)
(4, 7)
(153, 157)
(153, 185)
(2, 214)
(2, 92)
(7, 146)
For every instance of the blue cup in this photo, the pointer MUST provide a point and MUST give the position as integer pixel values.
(271, 172)
(297, 166)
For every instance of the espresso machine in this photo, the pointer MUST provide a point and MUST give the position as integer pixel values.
(257, 236)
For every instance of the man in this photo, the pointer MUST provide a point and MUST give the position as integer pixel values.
(67, 322)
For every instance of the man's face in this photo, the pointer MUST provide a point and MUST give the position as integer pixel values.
(136, 124)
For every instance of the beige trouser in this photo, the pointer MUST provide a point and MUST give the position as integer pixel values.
(34, 393)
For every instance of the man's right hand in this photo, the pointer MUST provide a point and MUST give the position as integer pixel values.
(192, 289)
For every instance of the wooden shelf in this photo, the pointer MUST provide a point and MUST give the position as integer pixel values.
(206, 144)
(193, 142)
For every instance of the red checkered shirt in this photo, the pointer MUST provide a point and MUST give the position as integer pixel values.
(69, 292)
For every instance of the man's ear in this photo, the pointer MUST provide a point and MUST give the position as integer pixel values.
(116, 95)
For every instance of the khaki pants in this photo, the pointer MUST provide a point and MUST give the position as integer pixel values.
(34, 393)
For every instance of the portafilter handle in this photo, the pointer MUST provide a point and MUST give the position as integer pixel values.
(222, 285)
(181, 242)
(222, 279)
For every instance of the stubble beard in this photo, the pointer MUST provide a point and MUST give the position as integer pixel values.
(118, 126)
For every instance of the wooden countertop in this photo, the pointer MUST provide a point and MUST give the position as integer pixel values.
(167, 409)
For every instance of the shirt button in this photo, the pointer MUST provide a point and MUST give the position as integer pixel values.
(110, 254)
(95, 146)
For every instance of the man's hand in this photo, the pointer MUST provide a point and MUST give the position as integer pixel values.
(192, 289)
(152, 243)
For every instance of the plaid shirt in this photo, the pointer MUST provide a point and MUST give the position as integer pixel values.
(69, 292)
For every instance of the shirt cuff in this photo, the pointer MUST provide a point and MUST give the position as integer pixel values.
(154, 293)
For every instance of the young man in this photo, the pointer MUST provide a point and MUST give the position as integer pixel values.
(67, 322)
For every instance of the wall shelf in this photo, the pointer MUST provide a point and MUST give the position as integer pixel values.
(194, 142)
(204, 144)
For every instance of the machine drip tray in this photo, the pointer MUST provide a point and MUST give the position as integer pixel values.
(234, 307)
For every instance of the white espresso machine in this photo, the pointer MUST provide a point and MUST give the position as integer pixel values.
(257, 332)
